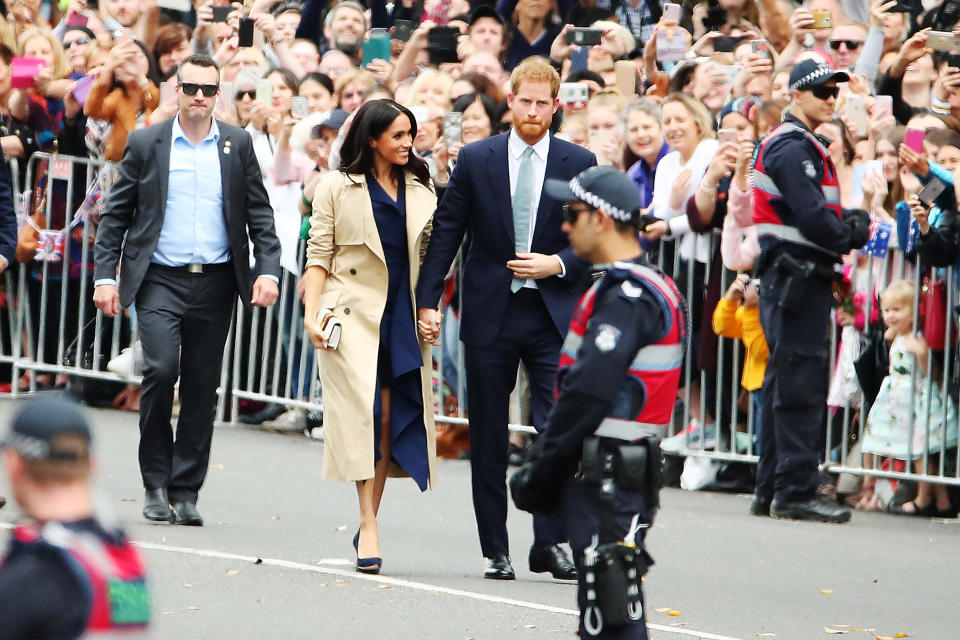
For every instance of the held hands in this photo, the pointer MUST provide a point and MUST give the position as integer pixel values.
(920, 214)
(428, 322)
(265, 292)
(106, 297)
(534, 266)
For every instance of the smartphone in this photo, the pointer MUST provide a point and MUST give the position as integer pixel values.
(571, 92)
(914, 139)
(245, 33)
(452, 128)
(724, 44)
(930, 192)
(883, 106)
(377, 47)
(299, 107)
(220, 14)
(583, 36)
(760, 46)
(82, 89)
(671, 49)
(943, 41)
(167, 91)
(822, 20)
(24, 70)
(626, 72)
(264, 91)
(76, 19)
(402, 30)
(671, 11)
(728, 135)
(442, 45)
(854, 108)
(578, 59)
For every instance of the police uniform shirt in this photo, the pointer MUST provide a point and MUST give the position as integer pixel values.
(40, 596)
(796, 167)
(626, 318)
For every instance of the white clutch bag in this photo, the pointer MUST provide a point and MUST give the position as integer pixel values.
(330, 328)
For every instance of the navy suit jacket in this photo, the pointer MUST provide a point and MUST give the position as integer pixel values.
(477, 199)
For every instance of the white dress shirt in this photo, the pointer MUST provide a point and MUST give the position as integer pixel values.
(515, 149)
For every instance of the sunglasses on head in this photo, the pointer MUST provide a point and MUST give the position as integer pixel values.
(249, 93)
(852, 45)
(823, 92)
(191, 88)
(77, 42)
(572, 212)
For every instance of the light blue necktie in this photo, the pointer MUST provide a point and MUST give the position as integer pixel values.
(522, 204)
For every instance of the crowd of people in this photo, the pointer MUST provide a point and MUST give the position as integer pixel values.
(679, 97)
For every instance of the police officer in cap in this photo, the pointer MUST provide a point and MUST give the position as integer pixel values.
(599, 460)
(66, 574)
(803, 231)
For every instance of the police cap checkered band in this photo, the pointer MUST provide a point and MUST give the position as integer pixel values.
(809, 73)
(602, 188)
(38, 424)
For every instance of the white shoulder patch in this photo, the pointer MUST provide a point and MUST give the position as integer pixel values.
(607, 337)
(809, 169)
(631, 290)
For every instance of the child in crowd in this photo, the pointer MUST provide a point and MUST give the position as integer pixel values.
(737, 316)
(906, 392)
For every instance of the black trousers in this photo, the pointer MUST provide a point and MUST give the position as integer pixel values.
(183, 321)
(794, 394)
(582, 512)
(528, 335)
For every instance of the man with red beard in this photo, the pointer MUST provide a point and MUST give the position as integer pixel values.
(520, 285)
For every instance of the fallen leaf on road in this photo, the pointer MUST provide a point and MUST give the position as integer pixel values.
(233, 572)
(384, 586)
(673, 612)
(274, 517)
(221, 523)
(217, 467)
(900, 635)
(187, 585)
(826, 592)
(342, 527)
(164, 613)
(766, 635)
(662, 609)
(529, 626)
(129, 500)
(431, 594)
(830, 630)
(259, 561)
(678, 624)
(193, 608)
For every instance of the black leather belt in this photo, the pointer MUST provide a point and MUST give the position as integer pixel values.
(195, 267)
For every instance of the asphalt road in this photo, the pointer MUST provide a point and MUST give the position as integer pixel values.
(720, 574)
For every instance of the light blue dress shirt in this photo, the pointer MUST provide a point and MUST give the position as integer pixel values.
(194, 229)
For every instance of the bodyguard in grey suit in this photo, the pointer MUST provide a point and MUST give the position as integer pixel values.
(188, 193)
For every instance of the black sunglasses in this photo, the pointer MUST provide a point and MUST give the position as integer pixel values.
(823, 92)
(191, 88)
(571, 213)
(852, 45)
(78, 42)
(250, 93)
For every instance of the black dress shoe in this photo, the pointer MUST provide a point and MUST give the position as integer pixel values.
(554, 560)
(156, 506)
(499, 568)
(760, 506)
(186, 513)
(814, 509)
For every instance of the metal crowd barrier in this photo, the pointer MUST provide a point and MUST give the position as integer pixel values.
(53, 328)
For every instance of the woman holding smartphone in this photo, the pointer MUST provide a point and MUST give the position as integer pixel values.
(369, 230)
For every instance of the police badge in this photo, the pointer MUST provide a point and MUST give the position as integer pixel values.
(607, 337)
(809, 169)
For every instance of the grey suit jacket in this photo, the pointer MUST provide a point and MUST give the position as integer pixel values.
(135, 207)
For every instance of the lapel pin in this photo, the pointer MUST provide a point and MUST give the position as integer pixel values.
(226, 147)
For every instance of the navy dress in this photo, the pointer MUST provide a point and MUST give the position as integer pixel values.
(400, 361)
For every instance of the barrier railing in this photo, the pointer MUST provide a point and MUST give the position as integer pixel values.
(54, 329)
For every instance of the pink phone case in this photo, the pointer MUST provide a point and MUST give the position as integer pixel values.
(914, 139)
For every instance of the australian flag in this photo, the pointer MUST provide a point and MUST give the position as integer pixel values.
(879, 239)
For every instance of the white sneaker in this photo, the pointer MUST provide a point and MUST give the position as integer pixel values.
(315, 434)
(290, 420)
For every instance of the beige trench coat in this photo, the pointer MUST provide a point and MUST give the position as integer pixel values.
(344, 241)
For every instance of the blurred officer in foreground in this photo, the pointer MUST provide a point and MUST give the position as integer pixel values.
(599, 459)
(66, 574)
(802, 231)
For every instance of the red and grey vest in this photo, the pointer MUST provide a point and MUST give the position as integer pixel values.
(765, 192)
(656, 367)
(111, 574)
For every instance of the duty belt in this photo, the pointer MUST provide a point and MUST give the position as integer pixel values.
(630, 430)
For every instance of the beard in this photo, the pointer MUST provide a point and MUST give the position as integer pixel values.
(532, 127)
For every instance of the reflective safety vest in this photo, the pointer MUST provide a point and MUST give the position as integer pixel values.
(654, 374)
(765, 217)
(112, 576)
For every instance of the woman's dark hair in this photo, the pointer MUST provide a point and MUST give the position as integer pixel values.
(489, 107)
(320, 78)
(288, 76)
(153, 71)
(372, 119)
(168, 38)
